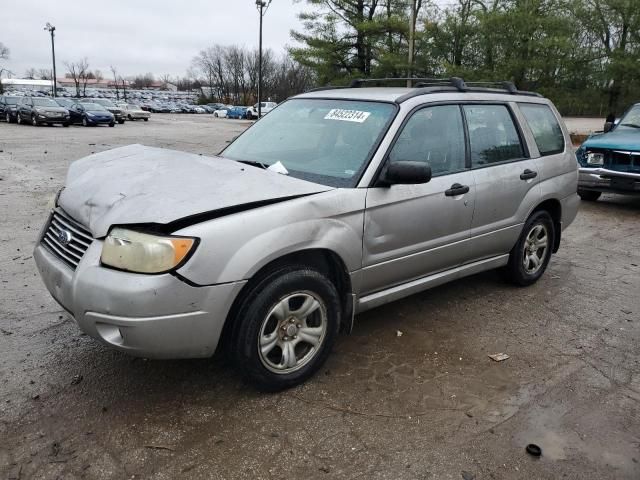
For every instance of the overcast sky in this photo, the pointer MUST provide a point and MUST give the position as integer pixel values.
(136, 36)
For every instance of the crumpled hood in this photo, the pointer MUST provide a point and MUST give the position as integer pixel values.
(138, 184)
(618, 139)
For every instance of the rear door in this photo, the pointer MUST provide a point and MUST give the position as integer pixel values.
(412, 231)
(505, 176)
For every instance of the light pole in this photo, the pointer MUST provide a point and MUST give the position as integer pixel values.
(52, 29)
(262, 6)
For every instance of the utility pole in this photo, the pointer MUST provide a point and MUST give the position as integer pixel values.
(412, 33)
(52, 30)
(262, 6)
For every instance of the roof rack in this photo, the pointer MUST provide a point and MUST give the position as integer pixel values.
(434, 85)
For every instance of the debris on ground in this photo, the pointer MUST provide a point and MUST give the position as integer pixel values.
(76, 379)
(399, 333)
(498, 357)
(468, 475)
(534, 450)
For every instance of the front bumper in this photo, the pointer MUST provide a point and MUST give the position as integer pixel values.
(605, 180)
(98, 120)
(154, 316)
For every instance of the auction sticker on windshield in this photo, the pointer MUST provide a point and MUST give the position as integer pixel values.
(347, 115)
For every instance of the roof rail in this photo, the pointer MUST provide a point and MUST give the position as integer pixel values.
(434, 85)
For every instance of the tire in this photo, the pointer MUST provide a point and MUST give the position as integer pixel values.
(34, 121)
(298, 348)
(589, 195)
(121, 121)
(526, 262)
(65, 124)
(215, 115)
(84, 122)
(7, 117)
(112, 124)
(129, 117)
(18, 119)
(146, 119)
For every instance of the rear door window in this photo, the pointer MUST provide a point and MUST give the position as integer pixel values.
(545, 128)
(493, 136)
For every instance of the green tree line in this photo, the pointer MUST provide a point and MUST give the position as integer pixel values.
(583, 54)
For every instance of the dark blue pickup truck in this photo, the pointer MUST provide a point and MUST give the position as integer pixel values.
(610, 161)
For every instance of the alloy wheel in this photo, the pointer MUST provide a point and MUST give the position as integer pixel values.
(292, 332)
(535, 248)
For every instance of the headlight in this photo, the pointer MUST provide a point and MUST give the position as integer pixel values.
(144, 253)
(595, 158)
(89, 114)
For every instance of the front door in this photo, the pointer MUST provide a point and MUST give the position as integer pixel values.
(412, 231)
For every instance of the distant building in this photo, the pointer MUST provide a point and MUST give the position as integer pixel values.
(157, 85)
(26, 84)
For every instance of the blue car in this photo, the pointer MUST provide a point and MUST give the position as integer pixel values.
(237, 112)
(610, 161)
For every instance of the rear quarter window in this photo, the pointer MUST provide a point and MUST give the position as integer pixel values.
(545, 128)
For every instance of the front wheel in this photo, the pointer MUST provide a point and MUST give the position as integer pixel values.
(531, 254)
(7, 117)
(112, 124)
(84, 122)
(121, 121)
(34, 121)
(146, 119)
(589, 195)
(286, 328)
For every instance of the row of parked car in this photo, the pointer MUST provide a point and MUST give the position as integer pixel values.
(65, 111)
(219, 110)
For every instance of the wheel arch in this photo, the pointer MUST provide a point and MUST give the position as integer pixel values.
(324, 260)
(554, 208)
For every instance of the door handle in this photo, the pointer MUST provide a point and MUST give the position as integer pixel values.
(456, 189)
(528, 174)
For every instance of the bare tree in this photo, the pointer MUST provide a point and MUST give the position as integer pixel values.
(97, 74)
(85, 74)
(166, 80)
(115, 80)
(30, 73)
(44, 74)
(73, 72)
(4, 55)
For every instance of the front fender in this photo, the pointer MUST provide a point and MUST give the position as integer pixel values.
(237, 246)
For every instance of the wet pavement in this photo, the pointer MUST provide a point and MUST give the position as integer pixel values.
(427, 404)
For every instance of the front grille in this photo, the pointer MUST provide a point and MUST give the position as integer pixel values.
(66, 238)
(624, 161)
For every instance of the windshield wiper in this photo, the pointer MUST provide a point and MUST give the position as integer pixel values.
(630, 125)
(253, 163)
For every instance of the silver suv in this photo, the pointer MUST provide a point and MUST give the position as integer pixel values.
(336, 202)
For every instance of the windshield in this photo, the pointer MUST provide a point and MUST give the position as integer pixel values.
(93, 107)
(631, 119)
(44, 102)
(12, 100)
(323, 141)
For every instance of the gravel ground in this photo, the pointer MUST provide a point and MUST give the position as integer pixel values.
(428, 404)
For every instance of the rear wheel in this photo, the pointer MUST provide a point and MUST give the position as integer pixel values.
(121, 121)
(65, 124)
(146, 119)
(286, 327)
(531, 254)
(589, 195)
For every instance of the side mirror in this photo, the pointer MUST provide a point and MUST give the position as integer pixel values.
(608, 126)
(406, 173)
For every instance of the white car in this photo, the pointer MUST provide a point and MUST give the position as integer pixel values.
(222, 112)
(265, 107)
(134, 112)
